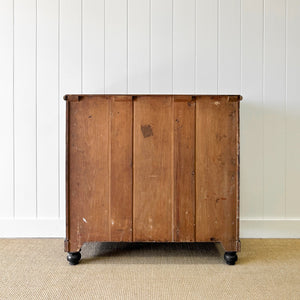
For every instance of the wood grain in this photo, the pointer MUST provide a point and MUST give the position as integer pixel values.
(88, 171)
(184, 162)
(153, 169)
(217, 171)
(121, 169)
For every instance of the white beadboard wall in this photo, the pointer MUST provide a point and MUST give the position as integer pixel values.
(49, 48)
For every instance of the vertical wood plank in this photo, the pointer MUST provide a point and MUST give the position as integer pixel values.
(292, 110)
(153, 169)
(116, 61)
(25, 108)
(216, 171)
(274, 109)
(229, 62)
(252, 110)
(139, 46)
(70, 74)
(184, 168)
(184, 46)
(7, 110)
(161, 47)
(207, 47)
(121, 169)
(93, 46)
(47, 109)
(89, 169)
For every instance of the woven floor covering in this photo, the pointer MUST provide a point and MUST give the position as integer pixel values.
(37, 269)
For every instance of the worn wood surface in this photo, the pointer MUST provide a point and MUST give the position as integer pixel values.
(88, 170)
(184, 162)
(121, 169)
(217, 171)
(99, 170)
(152, 168)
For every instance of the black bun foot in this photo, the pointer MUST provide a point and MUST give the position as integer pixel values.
(73, 258)
(230, 258)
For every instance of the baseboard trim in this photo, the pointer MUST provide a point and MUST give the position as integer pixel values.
(270, 228)
(49, 228)
(32, 228)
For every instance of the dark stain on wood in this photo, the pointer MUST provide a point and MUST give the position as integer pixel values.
(147, 130)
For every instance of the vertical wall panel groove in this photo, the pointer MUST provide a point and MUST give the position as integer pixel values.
(138, 46)
(150, 46)
(81, 46)
(70, 73)
(13, 96)
(116, 51)
(47, 109)
(229, 47)
(274, 109)
(195, 47)
(58, 109)
(263, 100)
(25, 108)
(93, 67)
(183, 47)
(161, 47)
(127, 75)
(251, 110)
(207, 47)
(7, 110)
(36, 108)
(218, 45)
(292, 110)
(173, 46)
(285, 108)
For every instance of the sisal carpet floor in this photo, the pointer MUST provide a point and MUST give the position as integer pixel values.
(37, 269)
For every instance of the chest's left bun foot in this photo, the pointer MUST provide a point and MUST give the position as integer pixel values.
(73, 258)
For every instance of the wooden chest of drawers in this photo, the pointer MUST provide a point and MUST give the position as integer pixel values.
(152, 168)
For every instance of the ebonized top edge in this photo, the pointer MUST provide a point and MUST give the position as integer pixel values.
(76, 97)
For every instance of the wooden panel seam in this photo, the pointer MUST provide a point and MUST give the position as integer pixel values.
(109, 166)
(195, 170)
(174, 203)
(133, 194)
(132, 169)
